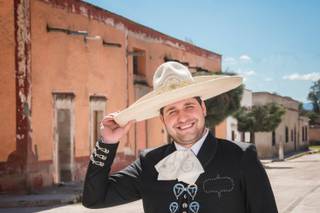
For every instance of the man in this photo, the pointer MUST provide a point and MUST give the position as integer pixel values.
(196, 172)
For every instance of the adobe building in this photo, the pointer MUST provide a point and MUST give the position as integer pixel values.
(64, 64)
(291, 134)
(314, 134)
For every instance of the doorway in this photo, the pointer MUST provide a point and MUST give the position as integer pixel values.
(64, 145)
(63, 149)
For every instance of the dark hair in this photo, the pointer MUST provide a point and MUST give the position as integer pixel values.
(199, 100)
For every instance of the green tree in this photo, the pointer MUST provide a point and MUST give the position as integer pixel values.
(263, 118)
(314, 96)
(221, 106)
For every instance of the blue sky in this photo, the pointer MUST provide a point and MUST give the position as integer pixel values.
(274, 44)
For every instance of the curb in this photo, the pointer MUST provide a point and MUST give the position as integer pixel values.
(38, 200)
(310, 152)
(268, 161)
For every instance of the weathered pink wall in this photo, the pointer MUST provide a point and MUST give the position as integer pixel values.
(7, 80)
(8, 166)
(65, 63)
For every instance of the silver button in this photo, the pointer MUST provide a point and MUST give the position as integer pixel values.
(184, 205)
(184, 212)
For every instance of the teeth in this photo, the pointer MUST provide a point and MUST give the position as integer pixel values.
(186, 126)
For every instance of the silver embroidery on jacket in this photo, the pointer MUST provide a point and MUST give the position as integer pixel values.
(218, 185)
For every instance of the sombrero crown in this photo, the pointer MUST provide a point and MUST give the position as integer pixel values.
(173, 82)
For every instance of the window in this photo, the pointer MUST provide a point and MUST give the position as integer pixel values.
(139, 62)
(232, 135)
(64, 136)
(97, 118)
(97, 110)
(287, 134)
(243, 137)
(291, 135)
(306, 133)
(302, 131)
(273, 138)
(251, 136)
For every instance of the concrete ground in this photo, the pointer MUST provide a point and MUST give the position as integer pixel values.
(295, 182)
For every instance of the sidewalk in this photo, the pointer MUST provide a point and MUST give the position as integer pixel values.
(69, 193)
(290, 156)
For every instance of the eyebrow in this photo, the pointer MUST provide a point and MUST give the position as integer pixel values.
(173, 108)
(189, 103)
(169, 109)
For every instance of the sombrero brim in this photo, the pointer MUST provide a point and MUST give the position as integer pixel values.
(149, 105)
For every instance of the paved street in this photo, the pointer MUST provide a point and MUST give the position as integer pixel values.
(296, 185)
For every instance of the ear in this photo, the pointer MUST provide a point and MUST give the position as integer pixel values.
(161, 118)
(204, 108)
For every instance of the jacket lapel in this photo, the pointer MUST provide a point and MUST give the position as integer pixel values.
(170, 149)
(208, 150)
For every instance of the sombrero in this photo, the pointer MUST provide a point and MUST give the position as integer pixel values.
(173, 82)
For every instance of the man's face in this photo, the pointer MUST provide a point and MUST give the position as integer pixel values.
(185, 121)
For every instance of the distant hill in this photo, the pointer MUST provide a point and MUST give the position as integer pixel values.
(307, 106)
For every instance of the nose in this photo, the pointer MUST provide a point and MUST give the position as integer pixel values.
(182, 116)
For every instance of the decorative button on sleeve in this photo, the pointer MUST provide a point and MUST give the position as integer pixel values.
(97, 157)
(106, 151)
(98, 163)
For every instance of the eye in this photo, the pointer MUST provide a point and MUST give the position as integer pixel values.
(189, 107)
(171, 112)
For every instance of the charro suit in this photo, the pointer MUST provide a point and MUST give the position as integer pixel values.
(234, 181)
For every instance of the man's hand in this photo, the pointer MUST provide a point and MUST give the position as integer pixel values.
(110, 131)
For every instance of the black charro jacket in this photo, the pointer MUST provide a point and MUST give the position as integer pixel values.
(234, 181)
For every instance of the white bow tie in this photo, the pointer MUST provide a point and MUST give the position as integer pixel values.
(182, 165)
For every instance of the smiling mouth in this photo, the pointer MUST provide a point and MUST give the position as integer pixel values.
(185, 126)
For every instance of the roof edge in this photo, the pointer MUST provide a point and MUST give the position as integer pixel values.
(94, 12)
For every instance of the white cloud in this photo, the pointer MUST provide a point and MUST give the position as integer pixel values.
(268, 79)
(249, 72)
(314, 76)
(229, 60)
(246, 72)
(245, 58)
(237, 61)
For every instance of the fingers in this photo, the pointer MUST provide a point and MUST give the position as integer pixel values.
(109, 117)
(108, 121)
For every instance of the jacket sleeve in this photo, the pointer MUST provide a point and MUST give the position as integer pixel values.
(104, 190)
(258, 192)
